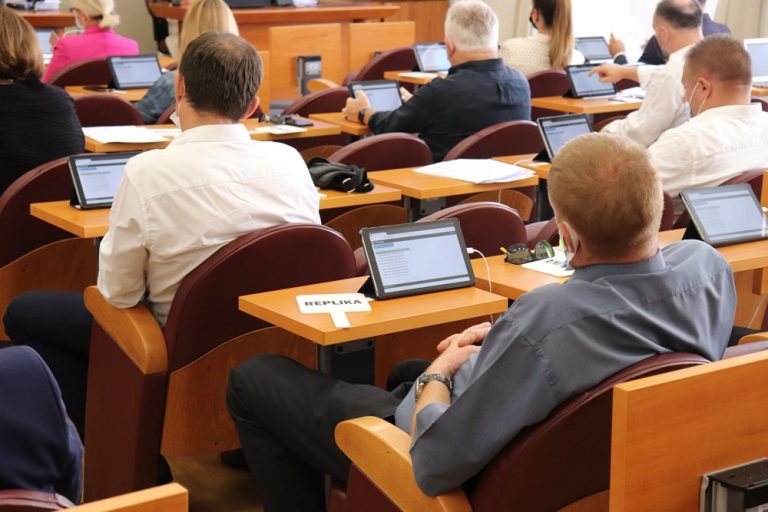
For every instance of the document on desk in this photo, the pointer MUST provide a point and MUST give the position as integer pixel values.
(418, 74)
(278, 129)
(123, 134)
(477, 171)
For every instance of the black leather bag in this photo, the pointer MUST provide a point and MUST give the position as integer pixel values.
(346, 178)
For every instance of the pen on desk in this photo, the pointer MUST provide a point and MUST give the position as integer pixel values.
(503, 250)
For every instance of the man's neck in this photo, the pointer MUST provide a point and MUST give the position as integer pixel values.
(192, 119)
(742, 97)
(463, 57)
(685, 39)
(585, 258)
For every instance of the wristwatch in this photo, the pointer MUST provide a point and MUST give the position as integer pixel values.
(429, 377)
(361, 115)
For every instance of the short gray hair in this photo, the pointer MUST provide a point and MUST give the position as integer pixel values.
(472, 26)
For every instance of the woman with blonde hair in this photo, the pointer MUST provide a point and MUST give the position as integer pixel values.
(98, 40)
(39, 122)
(552, 47)
(202, 16)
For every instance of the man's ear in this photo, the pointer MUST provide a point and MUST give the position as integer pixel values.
(180, 88)
(567, 236)
(252, 106)
(450, 46)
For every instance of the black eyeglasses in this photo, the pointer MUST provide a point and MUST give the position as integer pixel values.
(517, 254)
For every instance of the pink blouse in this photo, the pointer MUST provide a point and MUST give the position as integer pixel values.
(94, 43)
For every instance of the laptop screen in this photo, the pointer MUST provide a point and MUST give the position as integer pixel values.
(44, 38)
(727, 214)
(557, 131)
(432, 56)
(134, 72)
(758, 50)
(96, 177)
(593, 48)
(383, 94)
(406, 259)
(584, 86)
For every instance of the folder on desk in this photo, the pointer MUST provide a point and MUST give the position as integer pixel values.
(477, 171)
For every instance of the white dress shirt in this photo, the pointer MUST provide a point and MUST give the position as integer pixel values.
(176, 206)
(662, 107)
(711, 148)
(530, 55)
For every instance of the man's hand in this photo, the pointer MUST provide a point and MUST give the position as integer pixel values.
(405, 94)
(616, 45)
(470, 336)
(455, 350)
(355, 105)
(609, 73)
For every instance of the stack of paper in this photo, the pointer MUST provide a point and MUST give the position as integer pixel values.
(477, 171)
(123, 134)
(278, 129)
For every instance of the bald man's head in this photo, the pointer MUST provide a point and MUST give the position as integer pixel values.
(680, 14)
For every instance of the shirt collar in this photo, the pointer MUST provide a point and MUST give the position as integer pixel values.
(730, 112)
(479, 65)
(679, 54)
(213, 133)
(655, 263)
(91, 29)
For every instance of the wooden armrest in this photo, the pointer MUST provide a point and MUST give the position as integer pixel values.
(134, 330)
(320, 84)
(170, 498)
(754, 338)
(382, 452)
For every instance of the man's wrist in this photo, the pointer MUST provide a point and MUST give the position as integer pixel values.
(361, 115)
(426, 378)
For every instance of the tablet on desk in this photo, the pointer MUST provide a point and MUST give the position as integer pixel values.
(384, 95)
(432, 57)
(408, 259)
(758, 50)
(97, 176)
(725, 215)
(557, 131)
(594, 49)
(585, 86)
(134, 72)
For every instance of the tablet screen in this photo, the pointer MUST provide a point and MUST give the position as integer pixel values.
(593, 48)
(44, 38)
(383, 94)
(134, 72)
(432, 56)
(758, 50)
(727, 214)
(406, 259)
(557, 131)
(584, 85)
(96, 177)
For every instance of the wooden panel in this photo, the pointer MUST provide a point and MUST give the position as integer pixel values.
(132, 95)
(265, 89)
(366, 38)
(429, 16)
(671, 429)
(166, 498)
(339, 119)
(49, 19)
(584, 106)
(286, 43)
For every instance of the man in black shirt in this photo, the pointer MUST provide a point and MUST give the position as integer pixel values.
(479, 90)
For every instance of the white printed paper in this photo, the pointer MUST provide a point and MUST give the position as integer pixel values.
(337, 304)
(122, 134)
(477, 171)
(278, 129)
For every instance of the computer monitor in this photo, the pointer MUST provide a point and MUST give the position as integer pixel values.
(384, 95)
(758, 50)
(725, 215)
(44, 38)
(594, 49)
(557, 131)
(96, 177)
(431, 57)
(585, 86)
(134, 72)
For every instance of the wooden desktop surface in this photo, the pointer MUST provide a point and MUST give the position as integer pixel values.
(424, 186)
(386, 316)
(540, 168)
(584, 106)
(340, 120)
(49, 19)
(132, 95)
(415, 80)
(319, 129)
(759, 91)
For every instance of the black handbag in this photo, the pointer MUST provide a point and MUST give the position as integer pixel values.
(346, 178)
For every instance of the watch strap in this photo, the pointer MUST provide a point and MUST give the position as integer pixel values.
(429, 377)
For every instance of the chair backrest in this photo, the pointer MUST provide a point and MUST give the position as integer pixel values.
(165, 117)
(762, 101)
(327, 100)
(204, 312)
(485, 226)
(552, 82)
(385, 151)
(396, 59)
(23, 500)
(501, 139)
(86, 72)
(20, 233)
(106, 110)
(571, 448)
(626, 83)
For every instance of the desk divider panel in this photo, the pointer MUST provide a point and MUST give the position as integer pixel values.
(363, 39)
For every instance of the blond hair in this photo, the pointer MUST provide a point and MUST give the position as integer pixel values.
(606, 189)
(101, 10)
(558, 18)
(206, 16)
(472, 26)
(21, 58)
(721, 57)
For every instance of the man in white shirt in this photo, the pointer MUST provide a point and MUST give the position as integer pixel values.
(175, 207)
(677, 26)
(727, 135)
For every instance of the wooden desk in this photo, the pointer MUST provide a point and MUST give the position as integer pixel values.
(320, 129)
(57, 20)
(510, 280)
(759, 91)
(540, 168)
(132, 95)
(584, 106)
(379, 194)
(346, 126)
(415, 80)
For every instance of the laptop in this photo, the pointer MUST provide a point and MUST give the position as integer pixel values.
(96, 177)
(585, 86)
(725, 215)
(557, 131)
(420, 257)
(44, 38)
(431, 57)
(383, 94)
(758, 50)
(594, 49)
(134, 72)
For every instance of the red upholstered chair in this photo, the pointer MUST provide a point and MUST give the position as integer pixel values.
(396, 59)
(762, 101)
(87, 72)
(153, 390)
(544, 230)
(351, 222)
(547, 466)
(33, 254)
(165, 117)
(385, 151)
(553, 82)
(328, 100)
(626, 84)
(23, 500)
(106, 110)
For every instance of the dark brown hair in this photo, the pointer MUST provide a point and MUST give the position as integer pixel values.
(684, 14)
(21, 58)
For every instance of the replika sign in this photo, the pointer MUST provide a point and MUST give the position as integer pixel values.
(337, 304)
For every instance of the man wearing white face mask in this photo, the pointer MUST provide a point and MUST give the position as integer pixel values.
(677, 26)
(728, 134)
